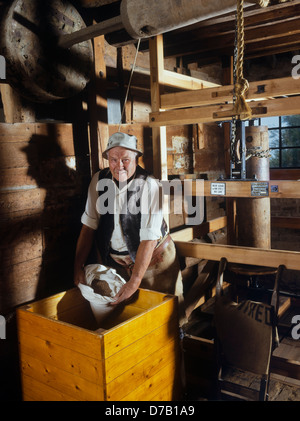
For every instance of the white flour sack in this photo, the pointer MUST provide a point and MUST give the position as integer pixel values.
(102, 284)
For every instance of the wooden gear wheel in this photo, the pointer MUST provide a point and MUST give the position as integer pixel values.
(36, 67)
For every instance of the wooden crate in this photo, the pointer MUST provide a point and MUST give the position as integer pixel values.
(135, 357)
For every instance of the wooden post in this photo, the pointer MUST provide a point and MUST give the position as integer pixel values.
(98, 108)
(230, 202)
(254, 215)
(159, 138)
(16, 109)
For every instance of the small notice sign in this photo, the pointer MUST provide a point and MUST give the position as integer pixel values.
(260, 189)
(218, 189)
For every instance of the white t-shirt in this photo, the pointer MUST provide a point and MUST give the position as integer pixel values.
(150, 207)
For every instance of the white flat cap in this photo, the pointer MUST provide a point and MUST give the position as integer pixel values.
(122, 140)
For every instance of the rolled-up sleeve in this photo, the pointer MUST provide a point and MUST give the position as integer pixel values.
(151, 210)
(90, 217)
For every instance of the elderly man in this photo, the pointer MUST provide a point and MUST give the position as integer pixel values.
(128, 235)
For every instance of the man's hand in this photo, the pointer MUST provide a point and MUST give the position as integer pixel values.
(79, 276)
(125, 292)
(143, 258)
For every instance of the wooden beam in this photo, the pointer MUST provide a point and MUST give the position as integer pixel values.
(98, 108)
(16, 109)
(257, 91)
(159, 137)
(285, 367)
(241, 255)
(89, 32)
(263, 27)
(214, 113)
(243, 188)
(178, 80)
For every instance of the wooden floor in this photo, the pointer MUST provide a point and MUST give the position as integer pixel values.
(281, 389)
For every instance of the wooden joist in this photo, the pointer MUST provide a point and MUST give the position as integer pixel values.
(269, 30)
(215, 113)
(241, 255)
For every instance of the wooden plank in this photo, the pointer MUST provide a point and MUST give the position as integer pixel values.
(134, 352)
(63, 358)
(17, 179)
(207, 114)
(120, 336)
(57, 303)
(21, 240)
(178, 80)
(257, 90)
(69, 384)
(23, 133)
(17, 132)
(275, 189)
(242, 255)
(69, 307)
(15, 107)
(60, 333)
(154, 385)
(148, 299)
(285, 367)
(34, 390)
(140, 372)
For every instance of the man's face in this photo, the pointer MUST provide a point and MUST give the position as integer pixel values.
(122, 163)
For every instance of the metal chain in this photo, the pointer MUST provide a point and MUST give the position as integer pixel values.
(253, 153)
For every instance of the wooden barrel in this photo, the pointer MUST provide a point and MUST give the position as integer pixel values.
(36, 67)
(254, 214)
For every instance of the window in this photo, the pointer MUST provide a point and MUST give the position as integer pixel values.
(284, 140)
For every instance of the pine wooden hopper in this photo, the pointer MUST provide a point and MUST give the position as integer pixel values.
(135, 356)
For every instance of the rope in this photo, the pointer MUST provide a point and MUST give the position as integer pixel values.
(264, 3)
(241, 108)
(129, 83)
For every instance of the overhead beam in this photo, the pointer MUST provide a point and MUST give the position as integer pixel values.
(241, 255)
(269, 26)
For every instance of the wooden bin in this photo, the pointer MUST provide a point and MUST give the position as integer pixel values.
(136, 357)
